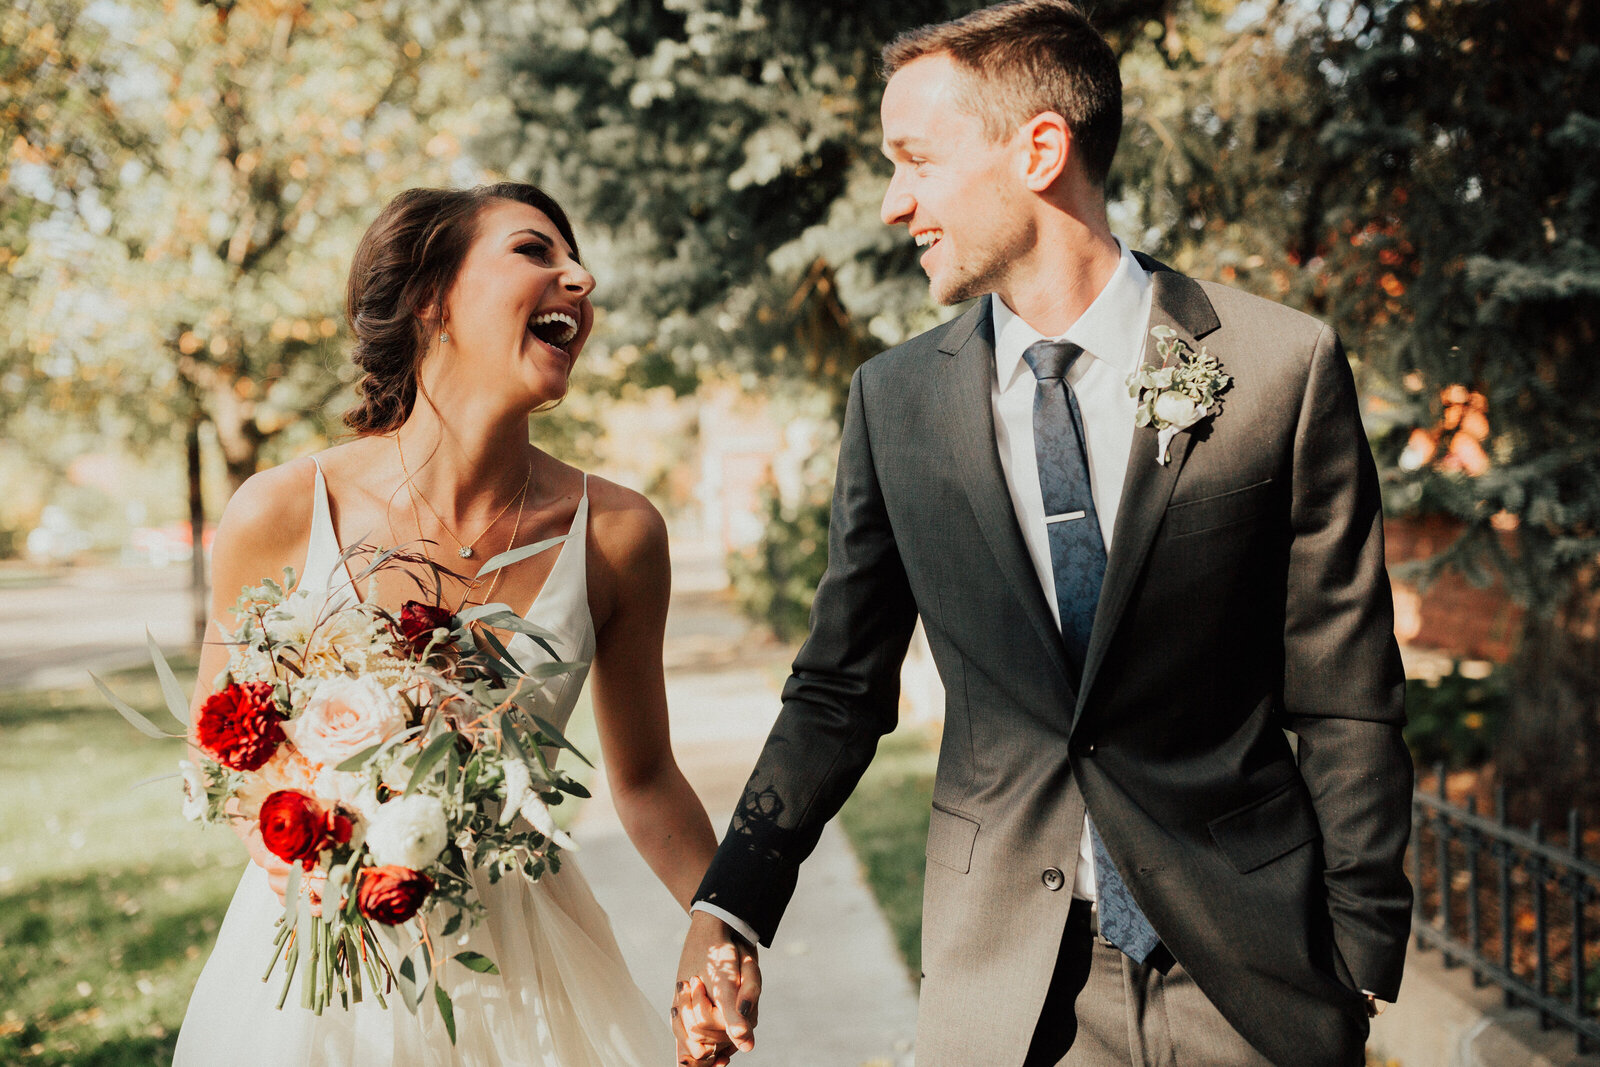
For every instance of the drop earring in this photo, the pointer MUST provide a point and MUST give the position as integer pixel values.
(444, 338)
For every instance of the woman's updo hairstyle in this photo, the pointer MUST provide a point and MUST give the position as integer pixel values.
(406, 263)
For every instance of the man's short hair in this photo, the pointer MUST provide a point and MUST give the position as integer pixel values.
(1024, 58)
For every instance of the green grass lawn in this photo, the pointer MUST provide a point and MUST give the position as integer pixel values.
(886, 820)
(109, 901)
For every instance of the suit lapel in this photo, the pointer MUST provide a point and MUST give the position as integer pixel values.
(1178, 302)
(965, 384)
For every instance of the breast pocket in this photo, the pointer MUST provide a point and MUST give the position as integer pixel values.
(1232, 508)
(950, 838)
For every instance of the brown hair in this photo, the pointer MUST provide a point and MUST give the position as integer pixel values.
(1023, 58)
(404, 265)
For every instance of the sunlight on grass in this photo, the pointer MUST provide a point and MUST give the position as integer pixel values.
(109, 901)
(886, 820)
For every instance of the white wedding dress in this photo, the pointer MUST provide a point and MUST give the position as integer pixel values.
(563, 997)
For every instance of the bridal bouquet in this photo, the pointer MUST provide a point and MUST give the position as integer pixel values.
(382, 757)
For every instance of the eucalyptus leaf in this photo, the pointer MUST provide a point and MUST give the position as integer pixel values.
(477, 961)
(517, 555)
(177, 703)
(430, 755)
(405, 979)
(359, 760)
(502, 652)
(548, 728)
(447, 1011)
(134, 717)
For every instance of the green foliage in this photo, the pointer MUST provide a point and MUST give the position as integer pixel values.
(723, 162)
(1455, 719)
(776, 580)
(184, 253)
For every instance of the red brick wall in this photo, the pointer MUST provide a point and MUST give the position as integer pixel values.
(1452, 616)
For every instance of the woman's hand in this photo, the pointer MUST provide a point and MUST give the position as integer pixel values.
(277, 869)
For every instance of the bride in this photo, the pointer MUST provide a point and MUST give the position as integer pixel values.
(469, 309)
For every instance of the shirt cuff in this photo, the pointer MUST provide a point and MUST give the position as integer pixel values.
(740, 927)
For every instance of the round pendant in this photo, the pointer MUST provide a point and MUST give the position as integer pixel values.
(466, 552)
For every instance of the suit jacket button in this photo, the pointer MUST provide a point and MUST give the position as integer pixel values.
(1053, 879)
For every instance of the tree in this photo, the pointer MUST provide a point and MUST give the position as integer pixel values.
(186, 185)
(1424, 175)
(722, 157)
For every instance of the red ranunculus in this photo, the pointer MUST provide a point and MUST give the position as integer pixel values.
(392, 894)
(419, 620)
(293, 827)
(338, 828)
(240, 725)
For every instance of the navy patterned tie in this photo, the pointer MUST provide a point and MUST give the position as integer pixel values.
(1078, 559)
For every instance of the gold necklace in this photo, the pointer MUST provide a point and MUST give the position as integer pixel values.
(465, 547)
(516, 528)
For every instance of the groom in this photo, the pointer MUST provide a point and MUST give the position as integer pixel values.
(1128, 859)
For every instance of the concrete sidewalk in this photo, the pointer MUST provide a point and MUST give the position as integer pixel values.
(836, 993)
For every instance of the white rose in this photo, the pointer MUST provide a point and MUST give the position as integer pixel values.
(343, 717)
(1178, 410)
(194, 791)
(408, 832)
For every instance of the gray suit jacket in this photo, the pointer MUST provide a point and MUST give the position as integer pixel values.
(1245, 594)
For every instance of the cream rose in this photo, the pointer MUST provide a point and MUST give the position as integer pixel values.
(287, 769)
(407, 832)
(1178, 410)
(343, 717)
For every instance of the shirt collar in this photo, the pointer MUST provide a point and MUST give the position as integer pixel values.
(1111, 330)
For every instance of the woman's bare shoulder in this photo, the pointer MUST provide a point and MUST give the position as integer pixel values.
(627, 529)
(266, 525)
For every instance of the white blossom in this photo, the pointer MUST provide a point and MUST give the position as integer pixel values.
(408, 832)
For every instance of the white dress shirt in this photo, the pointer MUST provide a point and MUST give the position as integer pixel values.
(1111, 333)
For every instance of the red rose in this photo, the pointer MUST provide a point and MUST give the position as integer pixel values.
(240, 725)
(392, 894)
(419, 620)
(293, 827)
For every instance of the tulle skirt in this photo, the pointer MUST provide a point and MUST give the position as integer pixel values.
(563, 997)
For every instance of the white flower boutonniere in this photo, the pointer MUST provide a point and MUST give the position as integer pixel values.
(1180, 392)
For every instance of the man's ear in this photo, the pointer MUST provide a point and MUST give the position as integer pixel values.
(1046, 146)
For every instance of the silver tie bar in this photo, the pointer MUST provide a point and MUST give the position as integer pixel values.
(1065, 516)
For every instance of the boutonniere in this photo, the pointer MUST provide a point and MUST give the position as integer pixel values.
(1178, 393)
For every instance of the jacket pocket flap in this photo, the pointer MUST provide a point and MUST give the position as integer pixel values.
(1224, 509)
(1264, 829)
(950, 839)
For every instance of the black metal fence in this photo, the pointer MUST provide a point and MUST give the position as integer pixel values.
(1517, 910)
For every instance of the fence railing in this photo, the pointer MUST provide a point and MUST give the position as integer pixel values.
(1517, 910)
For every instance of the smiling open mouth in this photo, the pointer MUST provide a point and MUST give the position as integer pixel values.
(555, 328)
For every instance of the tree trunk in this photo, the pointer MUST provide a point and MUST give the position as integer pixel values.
(1552, 731)
(197, 528)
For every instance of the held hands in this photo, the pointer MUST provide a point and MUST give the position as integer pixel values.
(715, 1001)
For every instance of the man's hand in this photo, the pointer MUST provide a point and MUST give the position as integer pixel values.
(718, 990)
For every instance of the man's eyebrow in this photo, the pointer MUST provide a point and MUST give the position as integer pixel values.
(902, 143)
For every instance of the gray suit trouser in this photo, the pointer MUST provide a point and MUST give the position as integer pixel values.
(1104, 1010)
